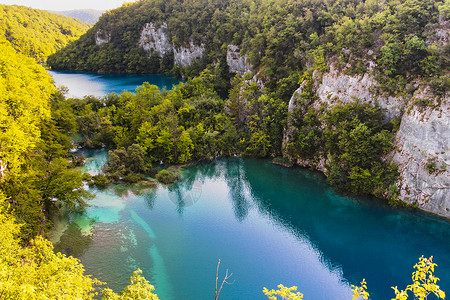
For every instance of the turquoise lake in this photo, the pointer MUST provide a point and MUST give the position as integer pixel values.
(83, 84)
(268, 225)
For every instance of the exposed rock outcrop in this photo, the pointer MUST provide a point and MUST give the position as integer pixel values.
(336, 86)
(422, 143)
(185, 56)
(157, 40)
(236, 62)
(423, 155)
(102, 37)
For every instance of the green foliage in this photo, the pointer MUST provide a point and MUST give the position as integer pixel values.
(280, 38)
(432, 166)
(284, 293)
(24, 28)
(36, 272)
(24, 92)
(167, 176)
(424, 282)
(139, 288)
(33, 149)
(126, 163)
(353, 139)
(100, 181)
(356, 141)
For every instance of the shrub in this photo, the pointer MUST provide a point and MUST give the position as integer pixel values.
(100, 180)
(167, 176)
(133, 178)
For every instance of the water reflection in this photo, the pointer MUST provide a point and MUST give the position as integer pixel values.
(73, 242)
(270, 224)
(360, 238)
(363, 237)
(235, 178)
(150, 198)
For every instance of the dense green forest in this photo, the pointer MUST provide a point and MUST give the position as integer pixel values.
(37, 33)
(281, 38)
(285, 43)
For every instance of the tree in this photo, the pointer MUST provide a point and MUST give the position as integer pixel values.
(139, 288)
(424, 282)
(36, 272)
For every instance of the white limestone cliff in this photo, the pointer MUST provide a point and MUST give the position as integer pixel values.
(153, 39)
(185, 56)
(237, 62)
(422, 153)
(102, 37)
(336, 86)
(422, 143)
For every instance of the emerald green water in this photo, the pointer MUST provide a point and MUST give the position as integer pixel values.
(267, 224)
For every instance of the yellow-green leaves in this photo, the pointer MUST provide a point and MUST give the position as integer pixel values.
(424, 282)
(38, 33)
(360, 291)
(139, 288)
(35, 271)
(25, 88)
(284, 293)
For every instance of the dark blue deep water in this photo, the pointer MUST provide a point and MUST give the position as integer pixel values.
(83, 84)
(267, 224)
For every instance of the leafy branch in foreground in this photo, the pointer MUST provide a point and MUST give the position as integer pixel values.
(284, 292)
(424, 284)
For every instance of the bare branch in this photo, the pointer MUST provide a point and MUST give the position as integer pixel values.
(227, 276)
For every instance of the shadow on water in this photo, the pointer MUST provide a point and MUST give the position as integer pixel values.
(235, 178)
(365, 238)
(362, 237)
(73, 242)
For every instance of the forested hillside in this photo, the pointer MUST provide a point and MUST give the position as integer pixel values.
(37, 33)
(280, 38)
(37, 179)
(396, 54)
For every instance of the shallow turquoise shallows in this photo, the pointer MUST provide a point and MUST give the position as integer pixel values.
(81, 84)
(267, 224)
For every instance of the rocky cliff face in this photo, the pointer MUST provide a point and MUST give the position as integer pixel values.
(422, 143)
(236, 62)
(185, 56)
(102, 37)
(336, 86)
(422, 152)
(157, 40)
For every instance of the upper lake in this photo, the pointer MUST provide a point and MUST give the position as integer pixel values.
(82, 84)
